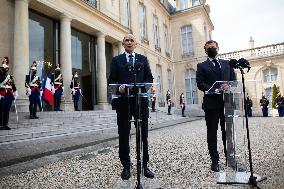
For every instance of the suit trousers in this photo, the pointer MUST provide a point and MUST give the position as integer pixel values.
(212, 118)
(125, 111)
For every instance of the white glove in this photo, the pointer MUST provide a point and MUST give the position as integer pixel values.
(28, 91)
(16, 94)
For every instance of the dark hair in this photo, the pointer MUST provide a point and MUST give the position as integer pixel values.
(210, 41)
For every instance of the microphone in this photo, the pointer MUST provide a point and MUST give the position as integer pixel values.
(240, 64)
(233, 63)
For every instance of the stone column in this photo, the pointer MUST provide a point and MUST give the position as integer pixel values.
(21, 52)
(101, 74)
(65, 59)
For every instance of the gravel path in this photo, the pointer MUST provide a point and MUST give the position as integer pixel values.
(178, 156)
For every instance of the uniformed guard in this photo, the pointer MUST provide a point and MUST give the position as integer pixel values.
(58, 88)
(264, 106)
(76, 91)
(280, 105)
(8, 93)
(153, 100)
(182, 104)
(33, 87)
(169, 106)
(249, 106)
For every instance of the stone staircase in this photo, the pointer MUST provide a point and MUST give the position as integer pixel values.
(58, 131)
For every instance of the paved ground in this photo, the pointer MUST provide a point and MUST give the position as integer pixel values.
(178, 156)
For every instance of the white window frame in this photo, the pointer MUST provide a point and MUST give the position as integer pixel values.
(156, 31)
(191, 95)
(166, 36)
(126, 13)
(160, 84)
(270, 74)
(186, 40)
(142, 21)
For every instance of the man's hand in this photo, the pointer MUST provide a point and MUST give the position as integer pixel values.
(225, 86)
(121, 88)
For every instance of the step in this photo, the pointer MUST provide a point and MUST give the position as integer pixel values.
(40, 134)
(84, 121)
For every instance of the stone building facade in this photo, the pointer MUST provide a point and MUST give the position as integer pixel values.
(84, 35)
(267, 69)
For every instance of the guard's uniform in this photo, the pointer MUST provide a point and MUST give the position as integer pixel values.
(182, 104)
(33, 86)
(8, 92)
(76, 90)
(153, 100)
(264, 104)
(58, 89)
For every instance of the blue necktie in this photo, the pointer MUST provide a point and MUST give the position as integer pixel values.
(217, 68)
(216, 64)
(130, 60)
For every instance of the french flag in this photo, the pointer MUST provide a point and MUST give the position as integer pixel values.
(47, 91)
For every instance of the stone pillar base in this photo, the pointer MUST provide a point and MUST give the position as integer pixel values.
(103, 106)
(67, 106)
(22, 105)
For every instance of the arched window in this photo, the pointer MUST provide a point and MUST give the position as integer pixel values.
(190, 87)
(270, 74)
(186, 41)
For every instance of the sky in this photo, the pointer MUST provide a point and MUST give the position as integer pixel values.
(235, 21)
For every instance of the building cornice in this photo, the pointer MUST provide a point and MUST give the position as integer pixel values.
(193, 10)
(101, 15)
(162, 7)
(92, 10)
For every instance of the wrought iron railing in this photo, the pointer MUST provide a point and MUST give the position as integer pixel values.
(92, 3)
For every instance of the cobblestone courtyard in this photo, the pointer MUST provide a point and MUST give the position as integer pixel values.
(178, 156)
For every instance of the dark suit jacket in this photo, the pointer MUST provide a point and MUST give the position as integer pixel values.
(120, 74)
(206, 75)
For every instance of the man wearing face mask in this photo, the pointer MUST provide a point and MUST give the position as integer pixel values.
(209, 71)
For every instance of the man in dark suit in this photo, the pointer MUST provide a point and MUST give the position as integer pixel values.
(125, 107)
(209, 71)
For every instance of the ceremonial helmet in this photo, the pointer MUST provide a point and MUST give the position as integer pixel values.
(5, 64)
(57, 70)
(33, 67)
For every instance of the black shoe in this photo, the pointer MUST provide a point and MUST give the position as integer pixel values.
(36, 117)
(125, 174)
(7, 128)
(148, 173)
(32, 117)
(215, 167)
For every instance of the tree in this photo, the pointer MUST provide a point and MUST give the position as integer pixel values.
(274, 95)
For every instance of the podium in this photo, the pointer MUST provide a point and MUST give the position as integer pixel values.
(238, 168)
(137, 92)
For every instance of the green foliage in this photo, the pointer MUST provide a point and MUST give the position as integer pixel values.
(274, 95)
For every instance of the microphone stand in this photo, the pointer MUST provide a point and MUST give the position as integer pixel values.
(252, 179)
(137, 121)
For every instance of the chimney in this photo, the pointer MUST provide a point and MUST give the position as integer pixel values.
(251, 43)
